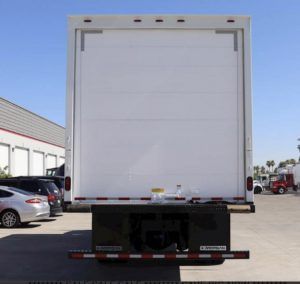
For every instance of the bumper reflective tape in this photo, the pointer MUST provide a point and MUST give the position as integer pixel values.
(89, 255)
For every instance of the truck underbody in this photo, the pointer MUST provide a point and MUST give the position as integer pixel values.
(176, 232)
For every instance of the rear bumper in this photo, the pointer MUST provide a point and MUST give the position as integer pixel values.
(34, 216)
(56, 210)
(86, 254)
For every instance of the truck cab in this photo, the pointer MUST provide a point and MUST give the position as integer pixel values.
(281, 183)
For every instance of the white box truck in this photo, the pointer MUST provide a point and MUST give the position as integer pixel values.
(158, 136)
(296, 173)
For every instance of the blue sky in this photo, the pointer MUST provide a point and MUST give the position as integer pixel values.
(33, 58)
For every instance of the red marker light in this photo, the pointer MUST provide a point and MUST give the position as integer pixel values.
(249, 183)
(67, 183)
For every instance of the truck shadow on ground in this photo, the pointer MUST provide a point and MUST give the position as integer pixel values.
(22, 227)
(44, 257)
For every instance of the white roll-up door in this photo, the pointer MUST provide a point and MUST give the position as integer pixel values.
(38, 163)
(61, 161)
(21, 162)
(177, 105)
(4, 157)
(51, 161)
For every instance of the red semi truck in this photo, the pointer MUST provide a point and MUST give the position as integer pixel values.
(282, 183)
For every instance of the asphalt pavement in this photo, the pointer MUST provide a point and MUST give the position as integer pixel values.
(272, 234)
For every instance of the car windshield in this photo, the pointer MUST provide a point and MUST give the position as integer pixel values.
(21, 191)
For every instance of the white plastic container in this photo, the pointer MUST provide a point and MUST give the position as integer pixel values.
(157, 195)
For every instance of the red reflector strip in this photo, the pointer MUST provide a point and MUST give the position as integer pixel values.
(167, 198)
(217, 198)
(146, 255)
(238, 198)
(124, 255)
(179, 198)
(77, 255)
(80, 198)
(169, 256)
(196, 198)
(240, 255)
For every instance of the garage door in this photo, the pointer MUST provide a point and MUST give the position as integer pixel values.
(61, 161)
(51, 161)
(21, 162)
(4, 156)
(38, 163)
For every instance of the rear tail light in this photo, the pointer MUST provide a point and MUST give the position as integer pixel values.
(51, 197)
(33, 201)
(249, 183)
(67, 183)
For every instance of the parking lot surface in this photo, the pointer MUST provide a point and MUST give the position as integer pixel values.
(272, 234)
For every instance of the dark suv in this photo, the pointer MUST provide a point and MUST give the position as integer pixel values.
(38, 186)
(59, 182)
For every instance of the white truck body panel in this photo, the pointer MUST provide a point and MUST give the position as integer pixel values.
(296, 172)
(159, 104)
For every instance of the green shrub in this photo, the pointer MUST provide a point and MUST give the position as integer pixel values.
(3, 172)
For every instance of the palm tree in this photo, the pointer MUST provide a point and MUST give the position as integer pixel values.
(262, 169)
(291, 161)
(268, 164)
(272, 163)
(256, 171)
(281, 164)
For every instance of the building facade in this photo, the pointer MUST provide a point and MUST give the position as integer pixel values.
(29, 143)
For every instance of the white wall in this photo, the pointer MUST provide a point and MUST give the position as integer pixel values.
(4, 156)
(26, 156)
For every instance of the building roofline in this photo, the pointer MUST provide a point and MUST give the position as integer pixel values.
(22, 108)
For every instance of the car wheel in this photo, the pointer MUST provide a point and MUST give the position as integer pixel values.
(10, 219)
(257, 190)
(281, 190)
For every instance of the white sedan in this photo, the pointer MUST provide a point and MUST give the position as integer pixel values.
(21, 207)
